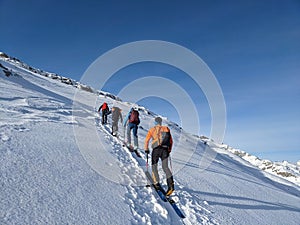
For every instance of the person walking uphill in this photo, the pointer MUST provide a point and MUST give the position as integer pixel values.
(161, 147)
(116, 115)
(133, 121)
(105, 112)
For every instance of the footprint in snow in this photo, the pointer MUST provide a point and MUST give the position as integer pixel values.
(4, 137)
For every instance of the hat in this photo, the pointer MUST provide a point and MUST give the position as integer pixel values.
(158, 120)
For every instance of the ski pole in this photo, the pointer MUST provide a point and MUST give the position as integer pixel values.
(124, 132)
(147, 165)
(171, 163)
(147, 161)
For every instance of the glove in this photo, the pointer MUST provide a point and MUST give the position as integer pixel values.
(147, 151)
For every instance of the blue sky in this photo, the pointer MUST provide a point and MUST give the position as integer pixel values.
(252, 47)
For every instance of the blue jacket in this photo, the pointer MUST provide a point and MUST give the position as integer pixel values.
(127, 117)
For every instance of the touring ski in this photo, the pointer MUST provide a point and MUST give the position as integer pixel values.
(173, 204)
(162, 194)
(157, 188)
(130, 148)
(124, 144)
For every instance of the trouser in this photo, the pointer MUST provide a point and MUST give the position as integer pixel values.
(134, 128)
(104, 116)
(163, 154)
(115, 127)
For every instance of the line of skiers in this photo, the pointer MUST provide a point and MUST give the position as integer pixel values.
(162, 141)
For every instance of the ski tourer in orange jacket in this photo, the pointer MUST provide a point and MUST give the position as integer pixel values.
(161, 147)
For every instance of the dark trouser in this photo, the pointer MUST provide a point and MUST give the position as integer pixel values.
(104, 116)
(163, 154)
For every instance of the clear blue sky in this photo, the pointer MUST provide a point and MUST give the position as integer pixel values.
(252, 47)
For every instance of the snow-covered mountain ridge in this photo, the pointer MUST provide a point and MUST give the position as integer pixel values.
(53, 76)
(46, 178)
(284, 169)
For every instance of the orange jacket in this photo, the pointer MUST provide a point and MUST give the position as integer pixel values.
(161, 136)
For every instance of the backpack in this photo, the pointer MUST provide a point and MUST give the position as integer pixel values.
(165, 139)
(134, 117)
(104, 106)
(161, 136)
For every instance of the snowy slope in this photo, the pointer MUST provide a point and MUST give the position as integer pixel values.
(45, 178)
(286, 170)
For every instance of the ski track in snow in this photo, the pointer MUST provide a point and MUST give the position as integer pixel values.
(139, 198)
(145, 205)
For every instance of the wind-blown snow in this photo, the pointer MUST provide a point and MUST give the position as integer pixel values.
(45, 179)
